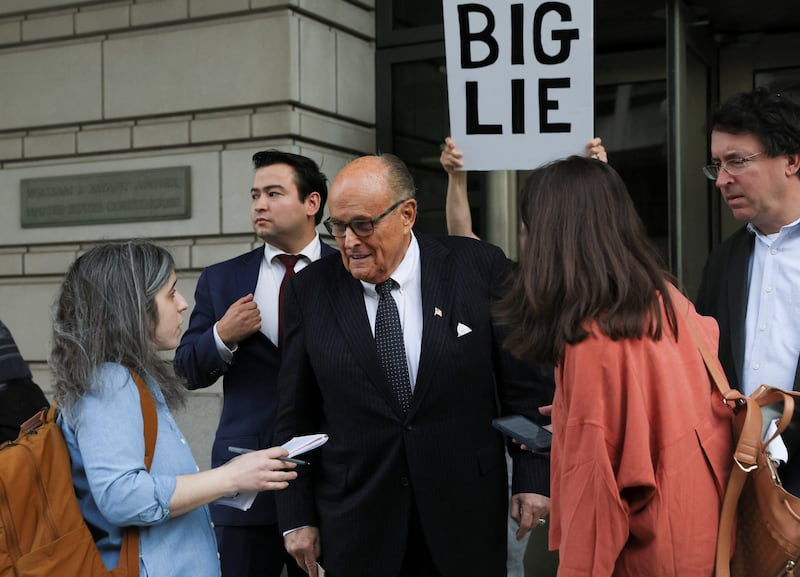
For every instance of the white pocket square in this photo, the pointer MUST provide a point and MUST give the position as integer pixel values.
(463, 329)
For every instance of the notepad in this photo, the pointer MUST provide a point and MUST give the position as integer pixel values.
(299, 445)
(295, 446)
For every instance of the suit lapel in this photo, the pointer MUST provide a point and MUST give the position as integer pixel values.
(347, 302)
(738, 288)
(246, 281)
(325, 250)
(250, 265)
(437, 307)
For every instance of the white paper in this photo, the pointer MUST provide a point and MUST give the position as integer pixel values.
(305, 443)
(295, 446)
(777, 449)
(242, 501)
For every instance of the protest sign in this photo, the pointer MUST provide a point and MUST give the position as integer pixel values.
(520, 80)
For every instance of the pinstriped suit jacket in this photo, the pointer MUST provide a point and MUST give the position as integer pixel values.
(442, 457)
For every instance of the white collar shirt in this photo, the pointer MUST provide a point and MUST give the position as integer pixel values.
(269, 283)
(772, 325)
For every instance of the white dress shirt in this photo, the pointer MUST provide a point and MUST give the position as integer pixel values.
(267, 288)
(772, 337)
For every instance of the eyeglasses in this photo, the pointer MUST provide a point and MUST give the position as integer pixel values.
(732, 166)
(359, 227)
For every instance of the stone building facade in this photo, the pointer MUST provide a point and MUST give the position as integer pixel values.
(104, 86)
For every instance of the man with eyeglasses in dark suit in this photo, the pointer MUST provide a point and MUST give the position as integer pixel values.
(751, 282)
(391, 351)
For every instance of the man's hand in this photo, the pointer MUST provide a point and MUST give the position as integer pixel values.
(527, 509)
(241, 320)
(303, 545)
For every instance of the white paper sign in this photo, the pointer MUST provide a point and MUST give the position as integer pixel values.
(520, 78)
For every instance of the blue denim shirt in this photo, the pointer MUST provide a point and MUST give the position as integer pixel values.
(104, 434)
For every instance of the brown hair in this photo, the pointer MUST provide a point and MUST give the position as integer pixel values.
(584, 256)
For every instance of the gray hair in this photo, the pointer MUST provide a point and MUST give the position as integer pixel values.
(106, 312)
(398, 177)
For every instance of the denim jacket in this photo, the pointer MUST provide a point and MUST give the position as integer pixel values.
(104, 434)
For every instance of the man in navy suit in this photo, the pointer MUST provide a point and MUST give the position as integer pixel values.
(751, 282)
(234, 332)
(412, 481)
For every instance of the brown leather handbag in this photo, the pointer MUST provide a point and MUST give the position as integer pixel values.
(767, 534)
(759, 518)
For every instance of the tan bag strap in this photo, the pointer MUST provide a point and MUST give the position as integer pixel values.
(150, 418)
(749, 442)
(747, 457)
(129, 553)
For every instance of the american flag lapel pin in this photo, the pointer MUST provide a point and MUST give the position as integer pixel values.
(437, 312)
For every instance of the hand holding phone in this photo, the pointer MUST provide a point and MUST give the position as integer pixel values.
(525, 431)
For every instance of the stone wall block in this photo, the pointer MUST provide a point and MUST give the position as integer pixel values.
(199, 8)
(93, 19)
(343, 13)
(10, 32)
(158, 11)
(355, 92)
(214, 129)
(32, 99)
(351, 136)
(50, 144)
(209, 252)
(317, 65)
(283, 120)
(167, 133)
(104, 139)
(206, 67)
(10, 147)
(48, 26)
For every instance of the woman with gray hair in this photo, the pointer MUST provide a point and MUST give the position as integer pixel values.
(118, 309)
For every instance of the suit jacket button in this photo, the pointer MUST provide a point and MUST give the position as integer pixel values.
(404, 481)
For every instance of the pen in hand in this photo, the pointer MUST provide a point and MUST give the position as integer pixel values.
(242, 451)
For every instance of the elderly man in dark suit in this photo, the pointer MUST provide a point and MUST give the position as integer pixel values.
(234, 330)
(751, 283)
(392, 351)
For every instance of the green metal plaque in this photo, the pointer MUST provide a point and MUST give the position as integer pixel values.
(107, 197)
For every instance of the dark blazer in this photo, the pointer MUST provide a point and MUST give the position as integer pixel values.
(442, 457)
(723, 295)
(249, 383)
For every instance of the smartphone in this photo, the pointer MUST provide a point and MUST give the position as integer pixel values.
(525, 431)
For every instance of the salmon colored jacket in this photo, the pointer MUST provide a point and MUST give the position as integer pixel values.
(642, 449)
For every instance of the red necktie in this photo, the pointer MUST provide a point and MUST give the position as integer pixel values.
(288, 261)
